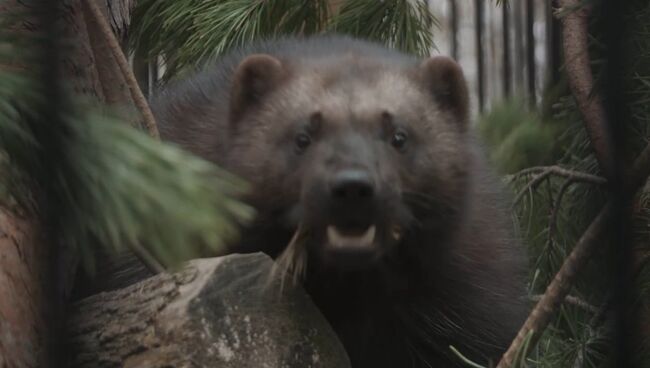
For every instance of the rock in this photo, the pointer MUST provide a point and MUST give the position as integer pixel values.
(226, 312)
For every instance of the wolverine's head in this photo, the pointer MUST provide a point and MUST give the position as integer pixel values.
(352, 155)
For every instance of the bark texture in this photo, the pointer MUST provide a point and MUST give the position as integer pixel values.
(220, 312)
(114, 87)
(36, 273)
(114, 66)
(505, 31)
(575, 43)
(530, 53)
(22, 310)
(479, 13)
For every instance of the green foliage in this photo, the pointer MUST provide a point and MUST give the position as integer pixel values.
(578, 337)
(100, 179)
(574, 340)
(551, 226)
(517, 138)
(188, 33)
(402, 24)
(125, 188)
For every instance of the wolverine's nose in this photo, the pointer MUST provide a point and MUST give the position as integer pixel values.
(352, 186)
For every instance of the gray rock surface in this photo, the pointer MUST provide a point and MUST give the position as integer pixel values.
(217, 312)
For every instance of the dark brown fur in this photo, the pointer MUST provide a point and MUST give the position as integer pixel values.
(454, 277)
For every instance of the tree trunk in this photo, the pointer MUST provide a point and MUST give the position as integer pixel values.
(478, 24)
(553, 44)
(227, 312)
(114, 88)
(37, 271)
(530, 52)
(23, 298)
(453, 14)
(507, 69)
(519, 52)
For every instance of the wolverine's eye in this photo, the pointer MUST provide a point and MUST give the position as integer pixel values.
(302, 141)
(399, 140)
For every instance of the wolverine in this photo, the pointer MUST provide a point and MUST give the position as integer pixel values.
(369, 186)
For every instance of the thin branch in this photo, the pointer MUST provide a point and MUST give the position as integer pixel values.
(559, 286)
(573, 300)
(112, 81)
(552, 220)
(532, 185)
(543, 172)
(136, 93)
(575, 40)
(560, 171)
(563, 280)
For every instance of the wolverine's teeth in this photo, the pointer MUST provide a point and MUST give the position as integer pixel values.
(337, 239)
(396, 232)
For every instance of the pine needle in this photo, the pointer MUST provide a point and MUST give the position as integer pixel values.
(190, 33)
(293, 259)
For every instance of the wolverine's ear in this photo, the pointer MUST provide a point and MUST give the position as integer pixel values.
(255, 77)
(443, 77)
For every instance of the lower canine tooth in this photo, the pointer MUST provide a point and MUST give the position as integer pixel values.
(333, 236)
(368, 237)
(397, 233)
(337, 239)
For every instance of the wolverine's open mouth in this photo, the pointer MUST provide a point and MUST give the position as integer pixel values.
(355, 238)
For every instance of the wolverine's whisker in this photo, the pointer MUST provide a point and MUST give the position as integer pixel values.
(292, 260)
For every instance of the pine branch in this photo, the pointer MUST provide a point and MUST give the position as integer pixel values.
(402, 24)
(573, 300)
(578, 70)
(543, 172)
(563, 280)
(188, 33)
(581, 83)
(559, 286)
(552, 220)
(560, 171)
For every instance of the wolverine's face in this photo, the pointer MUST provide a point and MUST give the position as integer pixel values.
(356, 154)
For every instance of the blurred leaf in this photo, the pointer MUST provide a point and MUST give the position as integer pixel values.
(104, 180)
